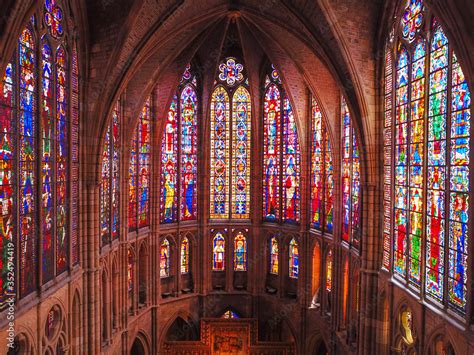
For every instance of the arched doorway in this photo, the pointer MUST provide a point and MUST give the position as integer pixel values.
(137, 348)
(320, 348)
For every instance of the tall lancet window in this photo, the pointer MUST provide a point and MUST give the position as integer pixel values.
(431, 145)
(110, 179)
(350, 180)
(179, 154)
(139, 171)
(322, 183)
(281, 154)
(230, 124)
(38, 154)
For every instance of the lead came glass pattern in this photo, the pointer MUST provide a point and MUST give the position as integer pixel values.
(350, 179)
(281, 155)
(188, 106)
(37, 153)
(139, 171)
(431, 167)
(415, 159)
(387, 139)
(7, 175)
(322, 184)
(62, 160)
(178, 199)
(271, 153)
(48, 177)
(27, 161)
(230, 138)
(220, 151)
(169, 166)
(241, 118)
(291, 165)
(110, 179)
(401, 158)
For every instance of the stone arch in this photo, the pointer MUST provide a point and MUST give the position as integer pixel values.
(115, 291)
(76, 324)
(104, 311)
(143, 267)
(440, 342)
(23, 343)
(141, 345)
(180, 327)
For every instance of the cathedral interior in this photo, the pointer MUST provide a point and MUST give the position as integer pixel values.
(236, 177)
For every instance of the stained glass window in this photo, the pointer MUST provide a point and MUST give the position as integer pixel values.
(110, 179)
(62, 159)
(271, 153)
(329, 270)
(130, 276)
(322, 184)
(350, 180)
(240, 162)
(220, 171)
(281, 155)
(28, 153)
(387, 159)
(38, 152)
(7, 175)
(293, 259)
(188, 112)
(412, 19)
(179, 154)
(48, 178)
(274, 256)
(139, 171)
(184, 261)
(240, 252)
(431, 162)
(169, 166)
(230, 145)
(218, 252)
(165, 258)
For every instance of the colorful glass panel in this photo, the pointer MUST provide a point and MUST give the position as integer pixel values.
(184, 261)
(53, 17)
(350, 180)
(415, 162)
(412, 19)
(48, 177)
(74, 158)
(218, 252)
(7, 175)
(165, 258)
(274, 256)
(401, 162)
(144, 165)
(329, 270)
(62, 161)
(387, 161)
(27, 161)
(241, 121)
(317, 166)
(231, 72)
(293, 259)
(272, 153)
(459, 188)
(291, 165)
(240, 253)
(169, 166)
(220, 159)
(188, 112)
